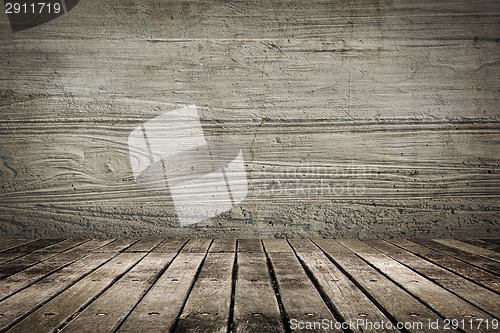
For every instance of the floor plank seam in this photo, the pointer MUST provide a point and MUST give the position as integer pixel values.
(149, 288)
(428, 306)
(456, 256)
(127, 247)
(234, 275)
(274, 283)
(176, 323)
(438, 263)
(84, 306)
(389, 316)
(23, 256)
(48, 274)
(396, 279)
(333, 309)
(38, 306)
(436, 282)
(45, 276)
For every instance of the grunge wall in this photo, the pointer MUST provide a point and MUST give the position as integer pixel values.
(355, 118)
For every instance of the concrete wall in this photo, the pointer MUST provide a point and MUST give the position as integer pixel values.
(355, 118)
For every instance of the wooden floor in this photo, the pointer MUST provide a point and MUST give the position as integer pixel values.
(270, 285)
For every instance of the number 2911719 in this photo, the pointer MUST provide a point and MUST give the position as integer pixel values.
(32, 8)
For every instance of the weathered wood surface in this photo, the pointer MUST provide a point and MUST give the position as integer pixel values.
(208, 305)
(20, 250)
(355, 119)
(24, 302)
(477, 275)
(7, 244)
(349, 301)
(23, 261)
(160, 307)
(470, 248)
(481, 297)
(36, 272)
(483, 244)
(396, 302)
(301, 300)
(445, 303)
(255, 304)
(253, 285)
(471, 258)
(111, 308)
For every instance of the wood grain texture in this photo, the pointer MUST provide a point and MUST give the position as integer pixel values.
(53, 314)
(301, 301)
(256, 307)
(484, 299)
(29, 275)
(355, 119)
(470, 248)
(470, 258)
(212, 286)
(349, 301)
(441, 300)
(26, 301)
(482, 243)
(22, 249)
(400, 305)
(7, 244)
(121, 297)
(24, 260)
(160, 307)
(477, 275)
(208, 305)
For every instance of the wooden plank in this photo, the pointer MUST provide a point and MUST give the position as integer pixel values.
(397, 303)
(255, 304)
(223, 245)
(61, 246)
(36, 272)
(470, 248)
(483, 298)
(27, 300)
(482, 243)
(276, 245)
(170, 245)
(110, 309)
(31, 258)
(51, 315)
(250, 245)
(455, 265)
(55, 248)
(19, 251)
(493, 240)
(159, 308)
(473, 259)
(197, 246)
(349, 301)
(301, 301)
(144, 245)
(118, 245)
(33, 246)
(7, 244)
(439, 299)
(303, 245)
(208, 305)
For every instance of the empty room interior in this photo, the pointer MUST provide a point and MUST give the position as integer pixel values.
(250, 166)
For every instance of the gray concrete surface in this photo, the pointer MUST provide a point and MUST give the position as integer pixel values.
(355, 119)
